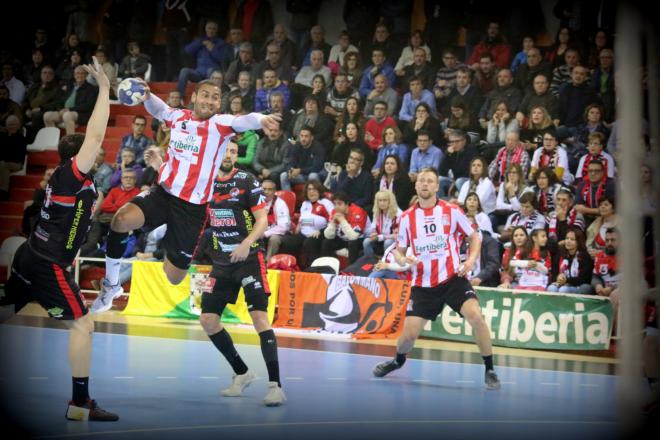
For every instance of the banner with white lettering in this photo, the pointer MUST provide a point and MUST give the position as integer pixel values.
(533, 320)
(362, 307)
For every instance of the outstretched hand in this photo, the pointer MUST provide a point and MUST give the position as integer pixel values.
(271, 122)
(96, 70)
(145, 86)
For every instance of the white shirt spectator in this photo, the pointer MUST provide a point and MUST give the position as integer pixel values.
(486, 192)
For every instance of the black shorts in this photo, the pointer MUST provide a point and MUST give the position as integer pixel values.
(428, 302)
(228, 280)
(185, 222)
(34, 278)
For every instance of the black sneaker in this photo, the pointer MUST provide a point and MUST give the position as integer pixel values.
(89, 411)
(492, 382)
(385, 368)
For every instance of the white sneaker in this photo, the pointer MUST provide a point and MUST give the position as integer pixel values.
(103, 301)
(238, 384)
(274, 396)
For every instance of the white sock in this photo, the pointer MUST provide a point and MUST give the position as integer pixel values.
(112, 266)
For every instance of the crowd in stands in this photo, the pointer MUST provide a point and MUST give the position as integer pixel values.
(521, 135)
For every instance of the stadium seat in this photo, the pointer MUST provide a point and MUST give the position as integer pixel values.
(283, 262)
(289, 198)
(47, 139)
(8, 249)
(327, 261)
(21, 172)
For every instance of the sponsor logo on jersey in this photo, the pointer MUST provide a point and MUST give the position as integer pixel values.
(222, 217)
(234, 192)
(440, 244)
(188, 142)
(74, 225)
(55, 312)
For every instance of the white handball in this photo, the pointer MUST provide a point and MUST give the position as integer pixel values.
(131, 92)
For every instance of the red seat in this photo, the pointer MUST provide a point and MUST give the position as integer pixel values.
(283, 262)
(289, 198)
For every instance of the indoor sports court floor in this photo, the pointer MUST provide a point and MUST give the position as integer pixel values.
(163, 378)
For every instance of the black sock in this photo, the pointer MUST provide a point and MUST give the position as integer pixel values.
(488, 362)
(651, 380)
(223, 342)
(116, 244)
(400, 359)
(269, 351)
(80, 394)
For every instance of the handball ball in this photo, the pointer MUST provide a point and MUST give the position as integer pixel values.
(131, 92)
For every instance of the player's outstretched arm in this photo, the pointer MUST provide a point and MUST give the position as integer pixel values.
(98, 122)
(255, 121)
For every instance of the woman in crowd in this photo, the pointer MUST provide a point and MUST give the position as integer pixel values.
(528, 217)
(391, 145)
(425, 120)
(236, 106)
(352, 113)
(352, 69)
(393, 177)
(474, 212)
(501, 122)
(480, 183)
(545, 187)
(508, 195)
(384, 224)
(593, 123)
(553, 156)
(460, 117)
(574, 265)
(314, 215)
(406, 59)
(352, 140)
(319, 89)
(531, 133)
(527, 263)
(555, 54)
(606, 219)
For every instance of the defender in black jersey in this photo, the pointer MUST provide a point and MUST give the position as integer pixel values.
(233, 241)
(40, 270)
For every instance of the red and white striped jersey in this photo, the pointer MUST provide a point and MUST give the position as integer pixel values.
(434, 235)
(196, 149)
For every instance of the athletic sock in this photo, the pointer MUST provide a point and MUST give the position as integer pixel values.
(116, 245)
(269, 352)
(80, 394)
(400, 359)
(488, 362)
(222, 341)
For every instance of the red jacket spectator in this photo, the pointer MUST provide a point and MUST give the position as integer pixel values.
(118, 197)
(373, 131)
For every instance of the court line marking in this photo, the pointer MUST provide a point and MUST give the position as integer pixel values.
(421, 380)
(336, 378)
(208, 377)
(464, 381)
(534, 370)
(124, 377)
(165, 377)
(589, 385)
(294, 378)
(38, 378)
(554, 384)
(508, 383)
(335, 423)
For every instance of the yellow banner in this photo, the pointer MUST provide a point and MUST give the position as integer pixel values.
(153, 295)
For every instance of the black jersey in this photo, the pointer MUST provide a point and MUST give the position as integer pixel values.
(66, 215)
(231, 218)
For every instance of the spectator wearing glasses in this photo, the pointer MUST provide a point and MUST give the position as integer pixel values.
(552, 156)
(354, 181)
(592, 190)
(136, 141)
(455, 167)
